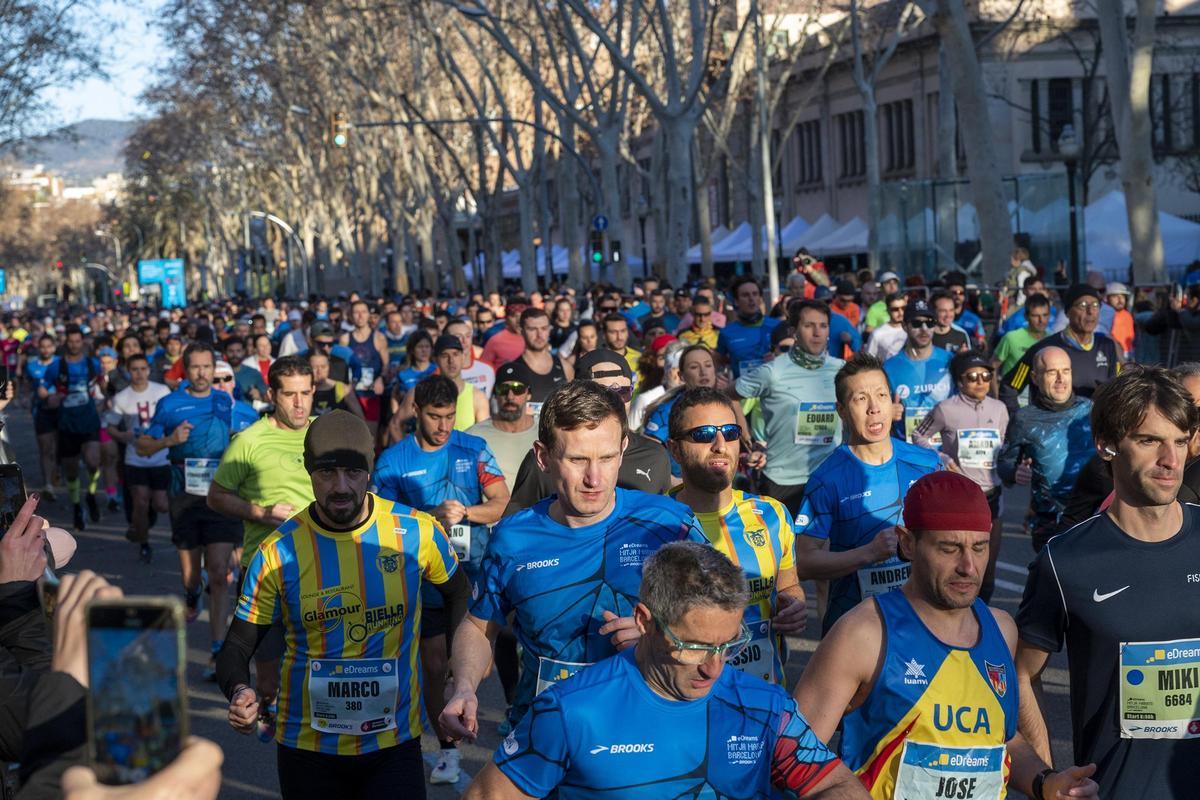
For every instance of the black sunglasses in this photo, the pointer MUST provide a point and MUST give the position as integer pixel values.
(705, 434)
(923, 323)
(515, 387)
(623, 392)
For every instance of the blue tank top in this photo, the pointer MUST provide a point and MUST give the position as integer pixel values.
(370, 363)
(938, 716)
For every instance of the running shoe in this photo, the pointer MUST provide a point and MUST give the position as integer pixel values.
(265, 727)
(448, 769)
(93, 507)
(146, 553)
(79, 524)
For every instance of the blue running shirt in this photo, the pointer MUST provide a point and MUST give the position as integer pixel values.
(559, 580)
(459, 470)
(215, 418)
(921, 385)
(848, 502)
(605, 734)
(744, 345)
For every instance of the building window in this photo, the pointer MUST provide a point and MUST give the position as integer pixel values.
(1035, 117)
(1060, 108)
(899, 149)
(851, 145)
(808, 153)
(1161, 109)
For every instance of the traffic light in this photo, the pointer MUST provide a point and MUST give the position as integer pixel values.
(597, 249)
(339, 130)
(614, 251)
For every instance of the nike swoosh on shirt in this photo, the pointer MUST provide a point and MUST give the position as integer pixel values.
(1100, 598)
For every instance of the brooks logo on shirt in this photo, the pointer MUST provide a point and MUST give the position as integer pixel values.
(548, 562)
(616, 749)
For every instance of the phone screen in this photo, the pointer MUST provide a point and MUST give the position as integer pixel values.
(137, 718)
(12, 494)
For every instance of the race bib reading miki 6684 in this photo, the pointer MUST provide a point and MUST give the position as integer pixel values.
(353, 697)
(1160, 689)
(934, 771)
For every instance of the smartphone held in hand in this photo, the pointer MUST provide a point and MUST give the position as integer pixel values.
(137, 709)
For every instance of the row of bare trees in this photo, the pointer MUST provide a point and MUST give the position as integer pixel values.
(461, 111)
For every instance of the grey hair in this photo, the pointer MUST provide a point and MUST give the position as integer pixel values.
(1188, 369)
(796, 279)
(683, 575)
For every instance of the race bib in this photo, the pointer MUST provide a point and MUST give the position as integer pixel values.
(1160, 689)
(816, 423)
(460, 540)
(935, 771)
(913, 417)
(977, 447)
(76, 399)
(533, 408)
(882, 577)
(198, 475)
(551, 672)
(758, 658)
(353, 697)
(366, 381)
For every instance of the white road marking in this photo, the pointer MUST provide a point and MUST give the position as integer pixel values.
(1010, 586)
(1012, 568)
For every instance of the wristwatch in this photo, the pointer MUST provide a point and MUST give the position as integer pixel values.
(1040, 780)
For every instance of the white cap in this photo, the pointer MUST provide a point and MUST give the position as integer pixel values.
(222, 367)
(1116, 288)
(888, 276)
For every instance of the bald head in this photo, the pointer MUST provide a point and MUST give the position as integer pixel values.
(1052, 372)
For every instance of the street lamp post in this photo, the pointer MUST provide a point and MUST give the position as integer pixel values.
(643, 211)
(1068, 150)
(116, 245)
(778, 233)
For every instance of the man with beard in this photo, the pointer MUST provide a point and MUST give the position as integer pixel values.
(919, 677)
(919, 373)
(261, 480)
(510, 432)
(753, 532)
(1120, 590)
(344, 577)
(453, 476)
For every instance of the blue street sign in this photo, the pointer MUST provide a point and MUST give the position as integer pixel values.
(168, 273)
(3, 281)
(600, 222)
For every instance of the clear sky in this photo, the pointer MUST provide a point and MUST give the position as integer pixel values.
(134, 49)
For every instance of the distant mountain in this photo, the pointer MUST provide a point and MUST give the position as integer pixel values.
(83, 151)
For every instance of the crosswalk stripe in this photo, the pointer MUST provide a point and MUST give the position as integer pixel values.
(1012, 568)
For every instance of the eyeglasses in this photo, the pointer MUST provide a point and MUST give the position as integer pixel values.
(320, 343)
(511, 387)
(623, 392)
(226, 379)
(695, 654)
(1092, 306)
(922, 323)
(978, 377)
(705, 434)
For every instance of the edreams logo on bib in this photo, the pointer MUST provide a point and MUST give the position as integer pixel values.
(618, 749)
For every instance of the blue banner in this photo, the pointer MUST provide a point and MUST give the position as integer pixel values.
(167, 273)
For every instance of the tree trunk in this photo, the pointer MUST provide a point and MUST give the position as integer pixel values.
(659, 200)
(987, 189)
(399, 233)
(874, 176)
(529, 279)
(946, 165)
(754, 194)
(679, 131)
(607, 144)
(568, 219)
(429, 276)
(1129, 92)
(703, 216)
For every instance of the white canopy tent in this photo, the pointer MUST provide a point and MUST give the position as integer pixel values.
(1107, 237)
(824, 226)
(846, 240)
(717, 235)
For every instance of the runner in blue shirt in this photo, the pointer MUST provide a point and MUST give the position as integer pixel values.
(68, 386)
(45, 419)
(854, 499)
(566, 569)
(667, 718)
(196, 423)
(453, 476)
(920, 373)
(744, 340)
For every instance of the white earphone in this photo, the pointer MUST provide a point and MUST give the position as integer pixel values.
(1110, 452)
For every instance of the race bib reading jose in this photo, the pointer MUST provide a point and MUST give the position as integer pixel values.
(816, 423)
(1160, 689)
(758, 658)
(934, 771)
(353, 697)
(977, 447)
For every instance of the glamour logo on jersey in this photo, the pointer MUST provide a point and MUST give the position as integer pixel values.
(914, 674)
(618, 749)
(376, 619)
(998, 677)
(331, 609)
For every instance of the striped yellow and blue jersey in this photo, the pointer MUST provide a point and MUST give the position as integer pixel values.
(756, 533)
(936, 721)
(350, 605)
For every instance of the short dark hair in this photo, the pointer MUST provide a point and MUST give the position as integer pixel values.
(198, 347)
(1037, 301)
(286, 367)
(1034, 278)
(740, 281)
(72, 328)
(692, 398)
(615, 317)
(797, 307)
(532, 313)
(577, 404)
(437, 391)
(139, 356)
(1121, 404)
(232, 340)
(414, 339)
(857, 363)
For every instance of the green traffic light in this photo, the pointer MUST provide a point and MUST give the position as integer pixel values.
(339, 140)
(597, 257)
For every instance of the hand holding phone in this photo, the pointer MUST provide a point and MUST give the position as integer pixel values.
(70, 628)
(23, 546)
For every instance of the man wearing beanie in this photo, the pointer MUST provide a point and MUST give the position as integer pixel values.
(644, 465)
(922, 678)
(344, 576)
(1094, 357)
